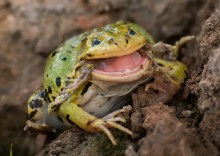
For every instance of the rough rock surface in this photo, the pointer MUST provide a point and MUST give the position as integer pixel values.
(187, 125)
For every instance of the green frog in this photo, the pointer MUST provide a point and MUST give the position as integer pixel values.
(87, 80)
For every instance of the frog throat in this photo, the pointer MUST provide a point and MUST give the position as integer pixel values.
(125, 68)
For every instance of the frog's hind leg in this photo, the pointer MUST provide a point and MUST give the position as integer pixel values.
(76, 115)
(38, 111)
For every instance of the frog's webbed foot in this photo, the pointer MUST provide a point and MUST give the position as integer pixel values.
(69, 89)
(38, 127)
(102, 126)
(86, 121)
(110, 121)
(112, 116)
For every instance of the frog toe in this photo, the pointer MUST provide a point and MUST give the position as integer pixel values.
(111, 116)
(103, 128)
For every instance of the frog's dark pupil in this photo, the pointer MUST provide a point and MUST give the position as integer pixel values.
(132, 32)
(96, 42)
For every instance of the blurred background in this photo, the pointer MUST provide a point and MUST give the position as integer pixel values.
(30, 30)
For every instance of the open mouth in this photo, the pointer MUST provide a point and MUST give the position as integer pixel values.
(121, 66)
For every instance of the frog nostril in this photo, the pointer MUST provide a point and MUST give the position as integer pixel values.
(110, 41)
(96, 42)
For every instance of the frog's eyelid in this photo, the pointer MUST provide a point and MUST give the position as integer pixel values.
(131, 31)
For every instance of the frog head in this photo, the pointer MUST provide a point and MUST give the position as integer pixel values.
(115, 40)
(113, 50)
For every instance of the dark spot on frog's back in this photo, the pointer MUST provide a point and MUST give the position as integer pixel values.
(68, 119)
(36, 103)
(58, 81)
(71, 46)
(53, 97)
(49, 90)
(64, 58)
(54, 53)
(69, 51)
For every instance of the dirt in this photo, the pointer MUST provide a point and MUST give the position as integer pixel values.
(188, 124)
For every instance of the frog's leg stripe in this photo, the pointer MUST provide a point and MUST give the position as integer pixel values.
(59, 118)
(33, 113)
(86, 121)
(68, 119)
(86, 88)
(58, 81)
(90, 122)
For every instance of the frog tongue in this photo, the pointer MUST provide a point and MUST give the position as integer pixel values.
(120, 64)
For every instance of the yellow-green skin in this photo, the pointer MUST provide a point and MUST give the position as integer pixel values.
(61, 69)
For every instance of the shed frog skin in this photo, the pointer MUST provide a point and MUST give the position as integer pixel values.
(88, 78)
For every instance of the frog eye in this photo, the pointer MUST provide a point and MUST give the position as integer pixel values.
(95, 42)
(131, 32)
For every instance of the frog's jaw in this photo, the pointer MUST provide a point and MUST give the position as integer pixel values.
(121, 69)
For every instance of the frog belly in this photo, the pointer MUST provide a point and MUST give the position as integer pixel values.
(101, 106)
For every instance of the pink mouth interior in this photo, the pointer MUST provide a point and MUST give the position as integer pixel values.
(123, 64)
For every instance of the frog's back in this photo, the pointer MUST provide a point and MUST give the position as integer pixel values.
(60, 64)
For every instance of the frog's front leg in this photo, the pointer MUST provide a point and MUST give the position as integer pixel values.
(73, 86)
(168, 76)
(163, 88)
(169, 52)
(76, 115)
